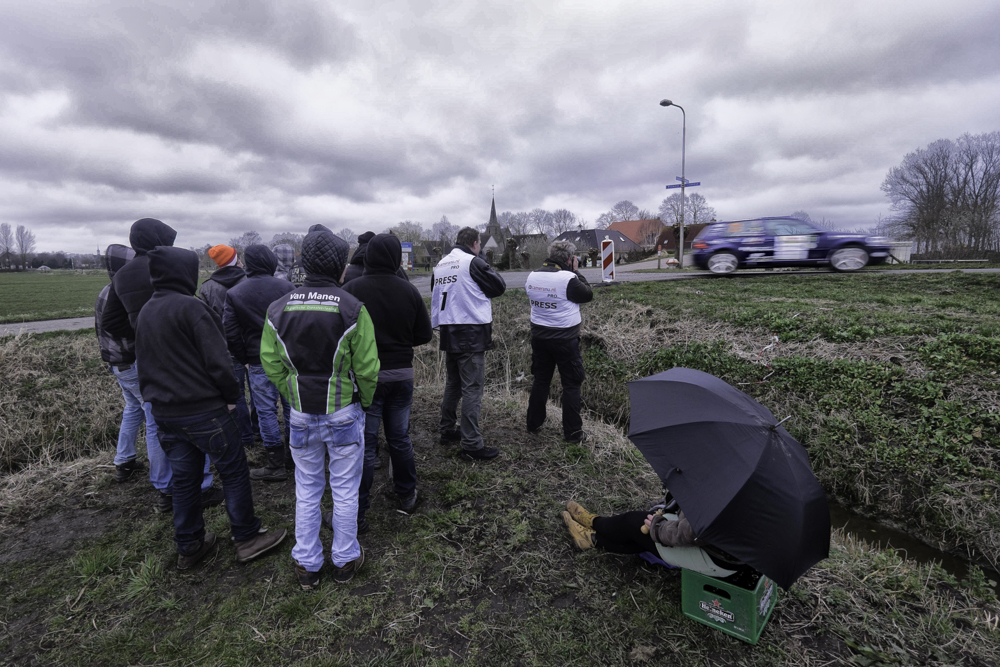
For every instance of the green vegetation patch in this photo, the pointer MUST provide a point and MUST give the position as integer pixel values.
(30, 296)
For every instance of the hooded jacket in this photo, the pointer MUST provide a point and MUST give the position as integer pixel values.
(131, 288)
(246, 304)
(463, 338)
(318, 345)
(114, 350)
(184, 366)
(357, 266)
(396, 308)
(213, 291)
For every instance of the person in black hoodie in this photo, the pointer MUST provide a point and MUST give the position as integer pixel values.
(186, 374)
(356, 267)
(130, 290)
(213, 292)
(243, 321)
(401, 323)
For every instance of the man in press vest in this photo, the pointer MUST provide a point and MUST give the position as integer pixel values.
(556, 291)
(463, 284)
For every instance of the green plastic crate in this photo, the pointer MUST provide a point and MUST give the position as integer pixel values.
(729, 604)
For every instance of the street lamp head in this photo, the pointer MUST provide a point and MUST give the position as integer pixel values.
(666, 103)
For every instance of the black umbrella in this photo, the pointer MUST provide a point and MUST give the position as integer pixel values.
(744, 483)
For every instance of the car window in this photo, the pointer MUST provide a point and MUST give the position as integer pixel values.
(789, 228)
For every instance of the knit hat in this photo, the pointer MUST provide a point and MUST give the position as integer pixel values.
(324, 253)
(222, 255)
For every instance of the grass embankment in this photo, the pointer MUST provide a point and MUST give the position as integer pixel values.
(30, 296)
(484, 573)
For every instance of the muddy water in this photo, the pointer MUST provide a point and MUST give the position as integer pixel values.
(910, 547)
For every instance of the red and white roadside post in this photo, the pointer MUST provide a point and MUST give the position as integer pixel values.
(608, 260)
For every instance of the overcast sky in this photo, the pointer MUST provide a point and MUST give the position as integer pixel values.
(219, 117)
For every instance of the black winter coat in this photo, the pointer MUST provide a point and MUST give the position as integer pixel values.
(396, 308)
(184, 367)
(246, 303)
(131, 287)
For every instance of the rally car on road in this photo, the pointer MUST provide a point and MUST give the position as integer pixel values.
(723, 247)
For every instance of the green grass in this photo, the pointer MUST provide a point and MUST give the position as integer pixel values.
(30, 296)
(899, 417)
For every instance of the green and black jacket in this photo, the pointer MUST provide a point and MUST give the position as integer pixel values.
(318, 348)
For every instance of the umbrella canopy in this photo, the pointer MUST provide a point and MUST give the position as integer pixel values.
(744, 483)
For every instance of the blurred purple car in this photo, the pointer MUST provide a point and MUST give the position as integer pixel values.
(723, 247)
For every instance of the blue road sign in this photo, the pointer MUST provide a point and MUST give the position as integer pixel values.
(683, 185)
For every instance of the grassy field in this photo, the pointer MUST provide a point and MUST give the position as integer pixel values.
(890, 381)
(30, 296)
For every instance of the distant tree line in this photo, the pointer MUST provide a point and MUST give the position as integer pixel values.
(16, 247)
(946, 197)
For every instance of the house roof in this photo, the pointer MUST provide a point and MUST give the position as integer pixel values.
(635, 230)
(585, 239)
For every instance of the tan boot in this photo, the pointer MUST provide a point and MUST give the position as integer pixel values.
(580, 515)
(583, 537)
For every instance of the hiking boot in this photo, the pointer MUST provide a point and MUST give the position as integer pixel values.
(189, 561)
(309, 581)
(580, 515)
(409, 503)
(583, 537)
(483, 454)
(164, 503)
(344, 574)
(212, 497)
(326, 521)
(451, 435)
(124, 472)
(259, 545)
(274, 469)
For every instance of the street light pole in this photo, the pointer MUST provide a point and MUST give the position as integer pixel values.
(680, 244)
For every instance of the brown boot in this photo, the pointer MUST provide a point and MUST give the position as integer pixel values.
(580, 515)
(584, 538)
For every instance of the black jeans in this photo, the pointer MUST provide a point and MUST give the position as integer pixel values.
(186, 441)
(546, 356)
(622, 533)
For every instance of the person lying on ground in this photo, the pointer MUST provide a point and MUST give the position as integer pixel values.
(186, 374)
(670, 537)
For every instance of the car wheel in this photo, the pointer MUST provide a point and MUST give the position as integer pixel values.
(723, 262)
(849, 258)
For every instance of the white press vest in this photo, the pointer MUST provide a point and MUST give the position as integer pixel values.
(549, 306)
(456, 298)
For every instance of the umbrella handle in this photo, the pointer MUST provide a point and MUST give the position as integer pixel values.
(645, 528)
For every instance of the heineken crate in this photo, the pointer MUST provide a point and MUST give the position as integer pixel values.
(739, 605)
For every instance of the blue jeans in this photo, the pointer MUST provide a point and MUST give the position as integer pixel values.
(265, 399)
(186, 441)
(133, 415)
(339, 435)
(390, 407)
(242, 412)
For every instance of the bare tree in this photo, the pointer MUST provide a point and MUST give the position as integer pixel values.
(563, 221)
(6, 245)
(25, 241)
(408, 231)
(245, 239)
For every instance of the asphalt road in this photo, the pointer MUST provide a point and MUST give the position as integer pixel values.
(515, 280)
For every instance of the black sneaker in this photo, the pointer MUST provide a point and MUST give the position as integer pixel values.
(189, 561)
(484, 454)
(309, 581)
(409, 503)
(326, 521)
(344, 574)
(164, 503)
(451, 435)
(212, 497)
(124, 472)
